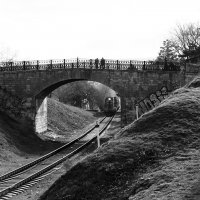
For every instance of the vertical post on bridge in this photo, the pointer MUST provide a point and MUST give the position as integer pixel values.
(24, 65)
(51, 64)
(37, 67)
(77, 62)
(11, 66)
(98, 132)
(64, 63)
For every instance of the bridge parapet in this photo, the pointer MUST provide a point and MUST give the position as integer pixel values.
(90, 64)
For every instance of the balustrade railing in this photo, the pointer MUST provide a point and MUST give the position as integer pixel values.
(131, 65)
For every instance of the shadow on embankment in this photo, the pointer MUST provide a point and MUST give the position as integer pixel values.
(22, 139)
(142, 161)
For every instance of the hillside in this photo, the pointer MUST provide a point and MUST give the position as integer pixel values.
(66, 121)
(157, 157)
(19, 145)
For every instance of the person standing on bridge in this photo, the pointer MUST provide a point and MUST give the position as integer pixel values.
(96, 63)
(102, 63)
(90, 63)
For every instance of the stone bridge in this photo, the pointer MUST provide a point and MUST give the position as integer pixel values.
(25, 85)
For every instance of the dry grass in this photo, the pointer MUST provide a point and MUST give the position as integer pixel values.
(175, 178)
(67, 121)
(157, 157)
(19, 144)
(21, 139)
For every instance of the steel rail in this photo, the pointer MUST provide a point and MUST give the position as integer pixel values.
(51, 166)
(29, 165)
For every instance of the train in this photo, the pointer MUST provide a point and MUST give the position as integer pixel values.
(111, 105)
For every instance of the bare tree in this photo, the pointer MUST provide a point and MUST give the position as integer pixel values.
(6, 55)
(186, 37)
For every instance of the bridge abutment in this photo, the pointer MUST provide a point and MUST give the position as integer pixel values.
(41, 115)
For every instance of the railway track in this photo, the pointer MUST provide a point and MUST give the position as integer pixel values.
(18, 180)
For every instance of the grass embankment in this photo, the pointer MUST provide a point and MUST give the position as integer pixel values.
(21, 139)
(20, 144)
(157, 157)
(67, 121)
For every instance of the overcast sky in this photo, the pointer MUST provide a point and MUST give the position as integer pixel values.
(115, 29)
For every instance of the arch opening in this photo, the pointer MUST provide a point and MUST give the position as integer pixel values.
(41, 105)
(41, 123)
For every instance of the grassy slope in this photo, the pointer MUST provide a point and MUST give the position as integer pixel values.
(21, 140)
(157, 157)
(66, 120)
(17, 143)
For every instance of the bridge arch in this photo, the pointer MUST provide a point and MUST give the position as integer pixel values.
(41, 102)
(48, 89)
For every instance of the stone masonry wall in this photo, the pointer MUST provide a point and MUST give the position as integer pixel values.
(136, 86)
(41, 116)
(16, 107)
(24, 92)
(191, 71)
